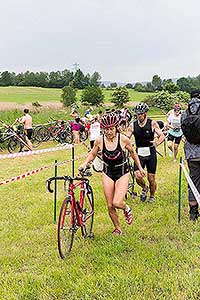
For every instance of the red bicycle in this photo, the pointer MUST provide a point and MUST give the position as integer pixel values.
(77, 211)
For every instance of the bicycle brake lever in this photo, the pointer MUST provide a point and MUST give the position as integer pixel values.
(48, 183)
(65, 186)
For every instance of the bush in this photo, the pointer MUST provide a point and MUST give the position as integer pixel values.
(68, 96)
(165, 100)
(183, 96)
(92, 95)
(120, 96)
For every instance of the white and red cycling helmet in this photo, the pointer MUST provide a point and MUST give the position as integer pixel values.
(109, 120)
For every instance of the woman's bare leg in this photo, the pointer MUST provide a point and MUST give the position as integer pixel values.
(121, 187)
(109, 189)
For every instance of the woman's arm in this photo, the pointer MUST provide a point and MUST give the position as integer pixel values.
(134, 155)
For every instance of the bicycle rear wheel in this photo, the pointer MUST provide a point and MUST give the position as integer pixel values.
(88, 213)
(66, 137)
(66, 228)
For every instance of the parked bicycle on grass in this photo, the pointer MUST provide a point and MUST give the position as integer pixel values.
(14, 137)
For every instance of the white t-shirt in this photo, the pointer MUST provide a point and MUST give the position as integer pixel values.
(175, 121)
(94, 131)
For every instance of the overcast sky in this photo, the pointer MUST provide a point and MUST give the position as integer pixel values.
(124, 40)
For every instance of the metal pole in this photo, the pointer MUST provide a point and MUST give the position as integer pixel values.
(179, 191)
(55, 191)
(165, 148)
(72, 160)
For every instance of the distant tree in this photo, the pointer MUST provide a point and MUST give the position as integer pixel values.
(19, 78)
(165, 81)
(103, 86)
(79, 80)
(67, 76)
(92, 95)
(95, 79)
(129, 86)
(138, 87)
(56, 79)
(120, 96)
(68, 96)
(29, 79)
(113, 85)
(7, 78)
(185, 84)
(157, 82)
(171, 87)
(149, 87)
(87, 80)
(41, 79)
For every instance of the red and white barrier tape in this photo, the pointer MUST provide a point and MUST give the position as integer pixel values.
(21, 154)
(86, 146)
(191, 184)
(22, 176)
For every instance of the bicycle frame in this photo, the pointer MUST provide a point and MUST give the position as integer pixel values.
(76, 205)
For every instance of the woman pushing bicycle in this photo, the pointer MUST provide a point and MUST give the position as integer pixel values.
(115, 176)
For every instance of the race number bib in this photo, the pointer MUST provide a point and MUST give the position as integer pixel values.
(144, 151)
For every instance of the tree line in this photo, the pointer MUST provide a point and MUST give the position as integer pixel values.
(79, 80)
(57, 79)
(185, 84)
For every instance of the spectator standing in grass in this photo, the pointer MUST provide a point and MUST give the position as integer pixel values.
(94, 131)
(26, 120)
(192, 151)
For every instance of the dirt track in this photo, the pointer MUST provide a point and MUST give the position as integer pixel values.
(11, 105)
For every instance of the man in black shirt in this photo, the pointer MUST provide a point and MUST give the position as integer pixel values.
(143, 131)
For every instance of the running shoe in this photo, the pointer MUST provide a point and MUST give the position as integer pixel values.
(194, 213)
(143, 196)
(171, 153)
(151, 199)
(117, 231)
(128, 215)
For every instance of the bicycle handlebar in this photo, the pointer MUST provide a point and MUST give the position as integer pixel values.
(65, 178)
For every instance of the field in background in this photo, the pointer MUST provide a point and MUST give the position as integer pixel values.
(155, 259)
(23, 95)
(14, 99)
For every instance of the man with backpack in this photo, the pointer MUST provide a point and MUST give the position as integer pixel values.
(190, 124)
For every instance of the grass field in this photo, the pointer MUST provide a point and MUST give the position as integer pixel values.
(23, 95)
(155, 258)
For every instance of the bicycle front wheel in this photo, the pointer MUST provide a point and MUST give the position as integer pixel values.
(66, 228)
(88, 213)
(14, 145)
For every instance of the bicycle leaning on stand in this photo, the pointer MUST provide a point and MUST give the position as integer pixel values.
(76, 212)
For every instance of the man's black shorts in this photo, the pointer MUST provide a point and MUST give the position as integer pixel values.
(177, 139)
(150, 162)
(29, 133)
